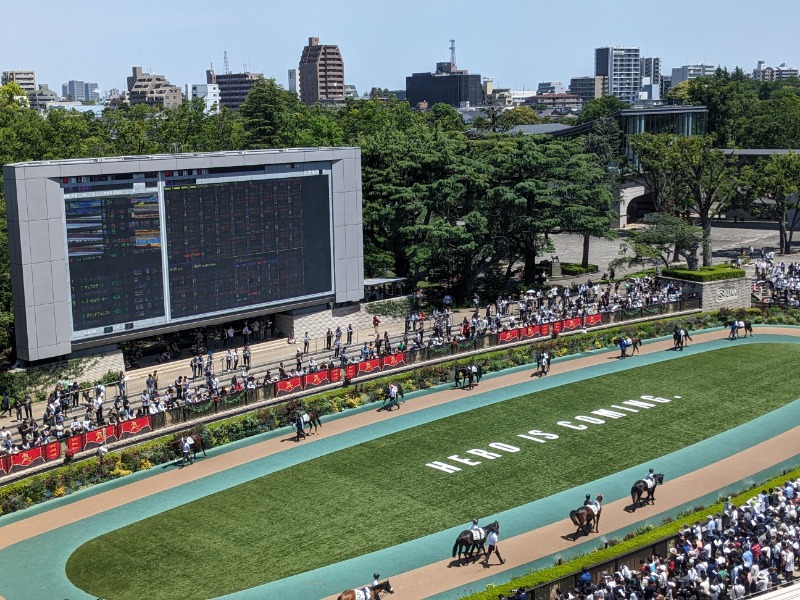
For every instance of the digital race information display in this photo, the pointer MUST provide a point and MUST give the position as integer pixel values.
(237, 244)
(179, 246)
(114, 254)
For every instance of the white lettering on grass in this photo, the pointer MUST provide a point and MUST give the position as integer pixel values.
(638, 403)
(535, 435)
(572, 425)
(483, 453)
(504, 447)
(466, 461)
(442, 466)
(655, 399)
(591, 420)
(608, 413)
(624, 408)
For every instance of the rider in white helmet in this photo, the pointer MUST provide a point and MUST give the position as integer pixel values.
(650, 479)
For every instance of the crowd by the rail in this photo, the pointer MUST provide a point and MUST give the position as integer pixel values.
(777, 282)
(744, 550)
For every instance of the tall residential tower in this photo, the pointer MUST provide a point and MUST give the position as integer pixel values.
(321, 73)
(622, 67)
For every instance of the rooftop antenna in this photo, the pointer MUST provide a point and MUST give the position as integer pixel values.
(453, 54)
(225, 68)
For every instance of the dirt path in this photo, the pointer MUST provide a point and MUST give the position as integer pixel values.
(438, 577)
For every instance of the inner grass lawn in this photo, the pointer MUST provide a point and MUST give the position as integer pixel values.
(380, 493)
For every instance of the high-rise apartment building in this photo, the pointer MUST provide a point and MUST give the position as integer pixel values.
(687, 72)
(550, 87)
(651, 67)
(233, 87)
(666, 85)
(321, 73)
(765, 73)
(149, 88)
(207, 92)
(294, 84)
(622, 67)
(91, 92)
(73, 90)
(589, 87)
(24, 79)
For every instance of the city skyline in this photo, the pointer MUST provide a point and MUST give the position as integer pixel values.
(519, 46)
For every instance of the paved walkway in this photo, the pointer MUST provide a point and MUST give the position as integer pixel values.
(58, 527)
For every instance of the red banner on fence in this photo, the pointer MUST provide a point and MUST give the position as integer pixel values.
(393, 360)
(75, 443)
(100, 436)
(25, 459)
(315, 379)
(335, 375)
(570, 324)
(3, 465)
(134, 426)
(557, 325)
(508, 336)
(52, 451)
(350, 371)
(592, 320)
(368, 366)
(545, 329)
(287, 386)
(530, 332)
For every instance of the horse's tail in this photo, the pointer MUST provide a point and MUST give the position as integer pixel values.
(573, 515)
(455, 547)
(634, 489)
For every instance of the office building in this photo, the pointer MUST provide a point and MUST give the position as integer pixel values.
(149, 88)
(447, 85)
(91, 92)
(233, 87)
(24, 79)
(321, 73)
(294, 84)
(551, 87)
(622, 67)
(651, 67)
(765, 73)
(589, 87)
(207, 92)
(560, 101)
(42, 98)
(687, 72)
(666, 85)
(73, 90)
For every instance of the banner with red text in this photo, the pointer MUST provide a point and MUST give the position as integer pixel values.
(52, 451)
(350, 371)
(392, 361)
(3, 465)
(571, 324)
(368, 366)
(504, 337)
(25, 459)
(592, 320)
(287, 386)
(335, 375)
(545, 329)
(100, 436)
(75, 443)
(134, 426)
(557, 326)
(316, 379)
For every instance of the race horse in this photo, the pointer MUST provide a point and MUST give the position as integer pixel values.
(640, 488)
(392, 402)
(176, 445)
(632, 343)
(679, 338)
(372, 592)
(585, 517)
(470, 540)
(465, 375)
(739, 325)
(310, 416)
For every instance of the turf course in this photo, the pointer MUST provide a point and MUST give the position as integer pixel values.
(380, 493)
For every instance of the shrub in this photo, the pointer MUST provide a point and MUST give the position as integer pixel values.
(705, 274)
(573, 269)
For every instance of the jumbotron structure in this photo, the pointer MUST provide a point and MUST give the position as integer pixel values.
(108, 249)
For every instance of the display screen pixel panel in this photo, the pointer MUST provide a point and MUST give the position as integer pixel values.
(247, 243)
(114, 253)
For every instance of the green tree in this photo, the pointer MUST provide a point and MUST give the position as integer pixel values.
(270, 115)
(601, 107)
(776, 121)
(521, 115)
(445, 117)
(664, 238)
(777, 178)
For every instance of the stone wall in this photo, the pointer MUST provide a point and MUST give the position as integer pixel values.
(726, 293)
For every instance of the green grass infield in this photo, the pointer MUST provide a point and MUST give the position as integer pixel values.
(381, 493)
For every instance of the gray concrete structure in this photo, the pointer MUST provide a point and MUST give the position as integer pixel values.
(35, 201)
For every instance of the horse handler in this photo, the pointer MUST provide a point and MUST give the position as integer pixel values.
(491, 540)
(187, 448)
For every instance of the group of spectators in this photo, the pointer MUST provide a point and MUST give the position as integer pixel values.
(744, 550)
(782, 281)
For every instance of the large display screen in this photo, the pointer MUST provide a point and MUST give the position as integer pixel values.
(247, 243)
(114, 253)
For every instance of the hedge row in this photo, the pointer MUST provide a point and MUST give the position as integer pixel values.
(64, 480)
(642, 538)
(705, 274)
(573, 269)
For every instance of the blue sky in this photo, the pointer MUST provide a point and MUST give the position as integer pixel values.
(517, 42)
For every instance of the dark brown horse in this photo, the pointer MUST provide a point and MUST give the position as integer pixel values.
(633, 346)
(468, 541)
(640, 488)
(388, 402)
(311, 420)
(585, 517)
(367, 592)
(176, 445)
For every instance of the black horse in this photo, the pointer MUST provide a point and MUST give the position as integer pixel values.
(392, 402)
(585, 516)
(640, 488)
(469, 540)
(465, 375)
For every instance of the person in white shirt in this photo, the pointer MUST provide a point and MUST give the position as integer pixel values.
(491, 541)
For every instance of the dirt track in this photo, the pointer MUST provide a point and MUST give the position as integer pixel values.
(438, 577)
